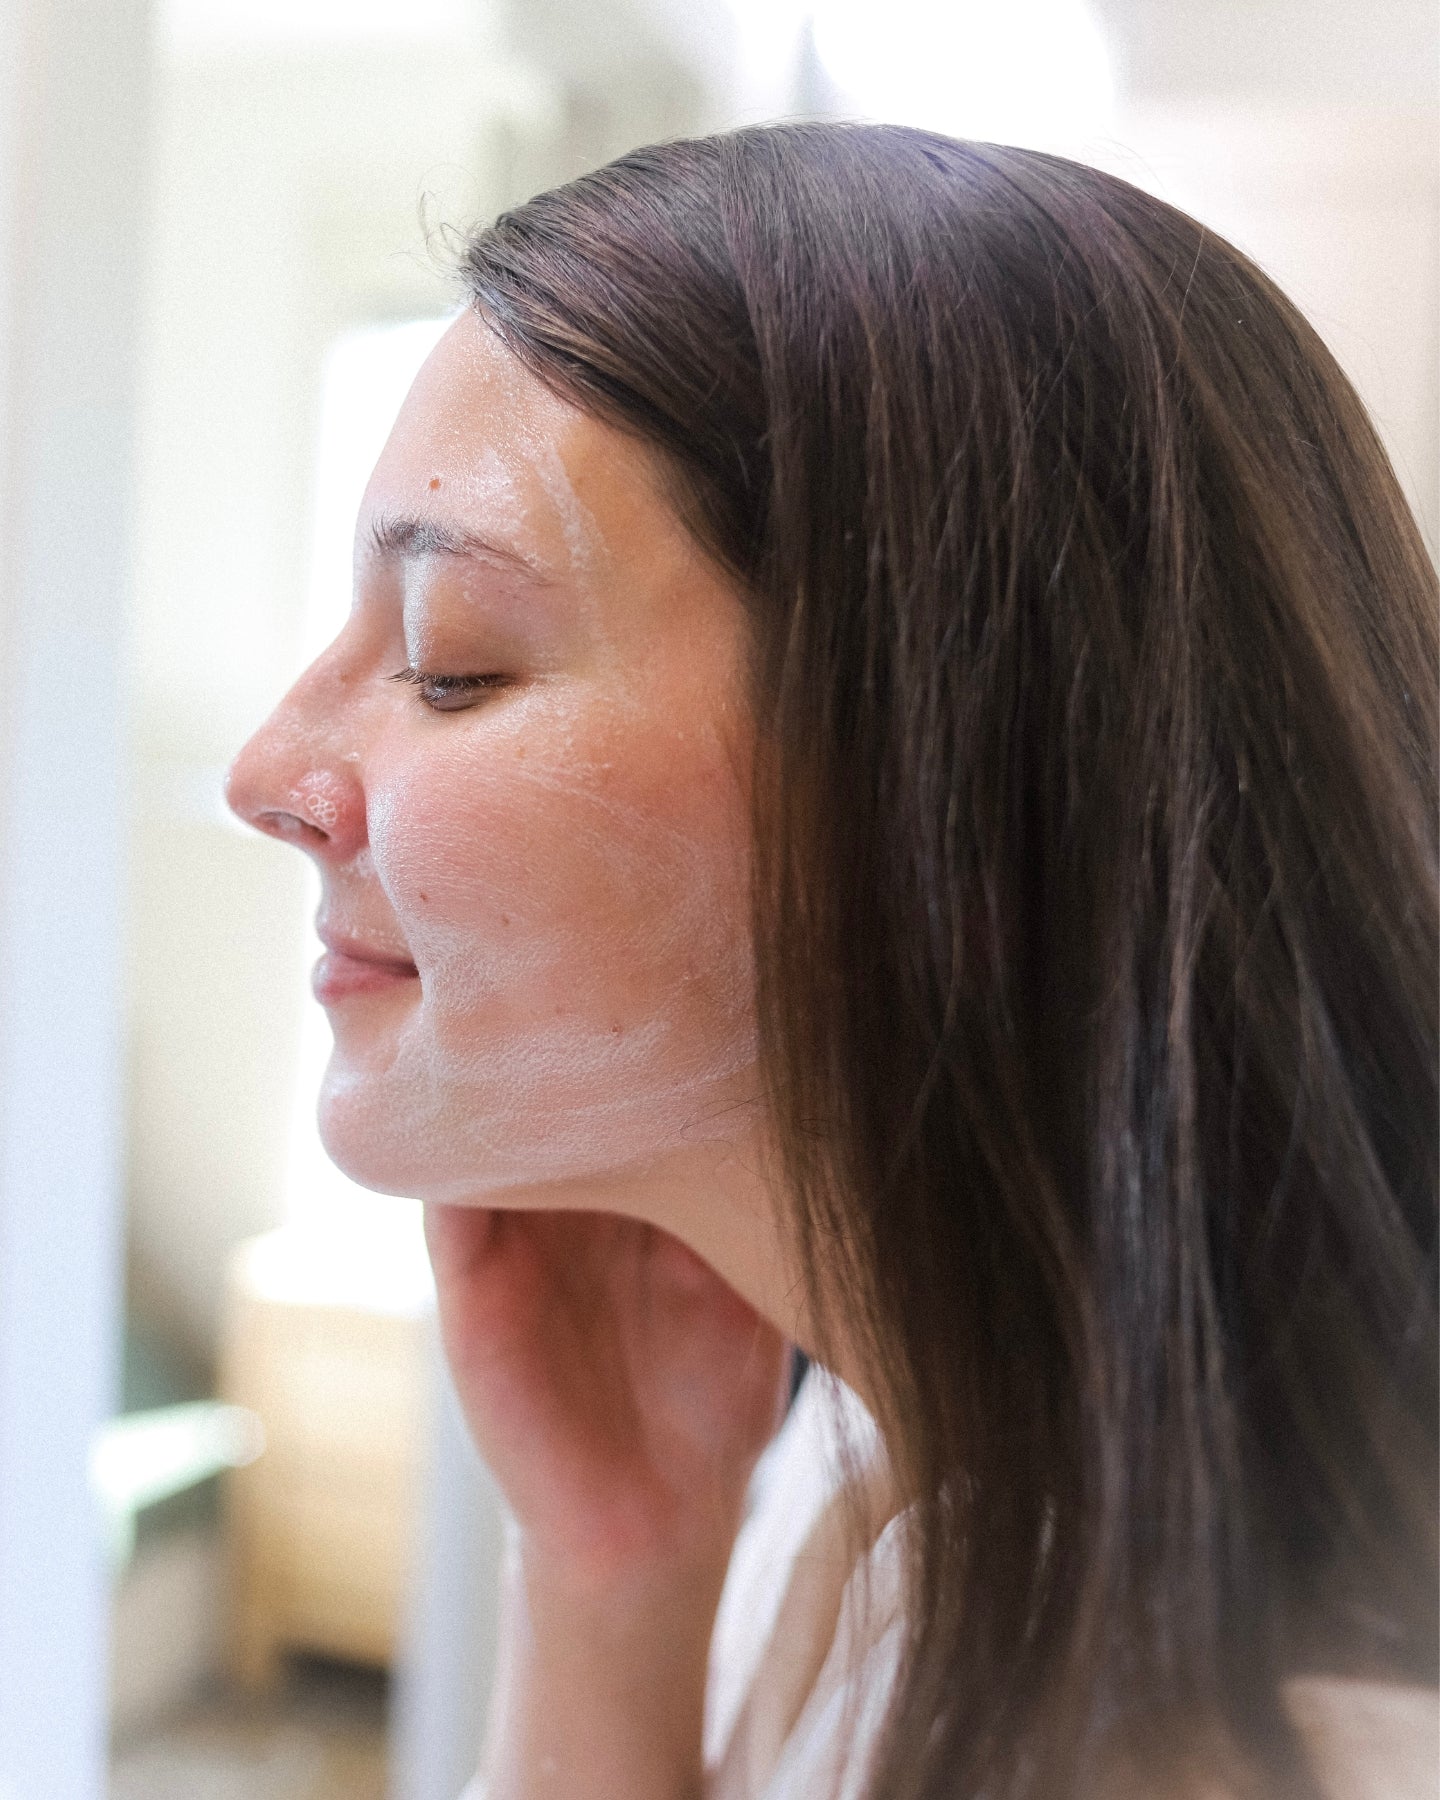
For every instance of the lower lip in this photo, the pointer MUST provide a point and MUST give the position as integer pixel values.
(338, 977)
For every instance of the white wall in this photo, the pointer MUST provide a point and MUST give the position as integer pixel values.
(1309, 132)
(1341, 205)
(1338, 53)
(72, 108)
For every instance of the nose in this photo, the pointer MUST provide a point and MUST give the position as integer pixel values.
(293, 781)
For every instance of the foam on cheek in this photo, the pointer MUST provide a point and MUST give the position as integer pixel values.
(538, 1051)
(476, 882)
(586, 981)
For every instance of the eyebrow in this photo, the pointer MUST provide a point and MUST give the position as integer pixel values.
(408, 537)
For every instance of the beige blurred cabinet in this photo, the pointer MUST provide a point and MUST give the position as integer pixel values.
(321, 1527)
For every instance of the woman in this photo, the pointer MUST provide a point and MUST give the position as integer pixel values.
(878, 794)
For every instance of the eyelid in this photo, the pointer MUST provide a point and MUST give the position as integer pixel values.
(463, 690)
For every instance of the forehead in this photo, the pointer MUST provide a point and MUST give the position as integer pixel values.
(471, 389)
(481, 445)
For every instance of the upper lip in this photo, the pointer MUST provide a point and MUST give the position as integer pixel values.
(345, 945)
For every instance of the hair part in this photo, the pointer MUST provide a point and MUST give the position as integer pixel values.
(1095, 912)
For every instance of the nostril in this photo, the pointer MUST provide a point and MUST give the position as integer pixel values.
(288, 825)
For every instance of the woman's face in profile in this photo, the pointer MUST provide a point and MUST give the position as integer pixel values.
(533, 845)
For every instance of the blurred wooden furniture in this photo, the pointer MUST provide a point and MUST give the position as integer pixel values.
(329, 1354)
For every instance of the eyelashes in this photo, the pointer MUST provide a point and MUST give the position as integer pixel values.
(450, 693)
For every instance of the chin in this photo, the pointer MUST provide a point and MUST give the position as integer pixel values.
(396, 1143)
(362, 1142)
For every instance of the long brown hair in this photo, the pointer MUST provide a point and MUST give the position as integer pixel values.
(1096, 688)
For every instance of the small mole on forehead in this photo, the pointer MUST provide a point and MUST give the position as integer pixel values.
(434, 483)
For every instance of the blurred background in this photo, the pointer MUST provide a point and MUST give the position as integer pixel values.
(244, 1551)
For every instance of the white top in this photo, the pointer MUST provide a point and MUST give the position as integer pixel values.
(808, 1636)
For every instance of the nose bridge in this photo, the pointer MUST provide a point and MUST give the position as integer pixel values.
(298, 777)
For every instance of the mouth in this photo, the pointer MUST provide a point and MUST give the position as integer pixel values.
(348, 968)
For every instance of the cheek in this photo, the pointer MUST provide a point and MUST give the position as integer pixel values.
(600, 879)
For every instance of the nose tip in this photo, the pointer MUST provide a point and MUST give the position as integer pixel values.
(317, 812)
(252, 799)
(237, 787)
(234, 790)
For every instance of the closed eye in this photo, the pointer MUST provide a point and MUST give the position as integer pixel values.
(450, 693)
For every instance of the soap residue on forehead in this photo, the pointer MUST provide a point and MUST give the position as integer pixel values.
(582, 535)
(487, 486)
(528, 423)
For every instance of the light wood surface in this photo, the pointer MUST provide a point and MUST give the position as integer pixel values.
(320, 1528)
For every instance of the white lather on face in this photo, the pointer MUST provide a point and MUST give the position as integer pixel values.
(564, 860)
